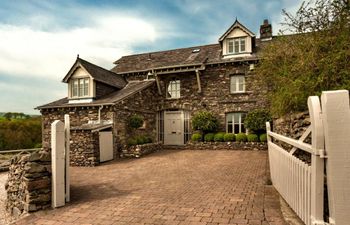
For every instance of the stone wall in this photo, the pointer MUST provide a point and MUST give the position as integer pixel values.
(221, 146)
(293, 126)
(29, 183)
(140, 150)
(84, 148)
(215, 95)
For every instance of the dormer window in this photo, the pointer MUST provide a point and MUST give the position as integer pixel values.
(80, 87)
(236, 45)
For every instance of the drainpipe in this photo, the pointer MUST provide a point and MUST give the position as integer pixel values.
(99, 114)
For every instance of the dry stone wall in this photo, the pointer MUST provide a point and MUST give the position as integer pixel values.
(29, 183)
(140, 150)
(84, 148)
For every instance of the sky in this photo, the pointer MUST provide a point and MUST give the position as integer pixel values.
(40, 39)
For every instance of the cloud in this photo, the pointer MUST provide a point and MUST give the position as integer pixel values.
(29, 51)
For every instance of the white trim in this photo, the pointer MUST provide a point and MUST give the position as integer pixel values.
(81, 100)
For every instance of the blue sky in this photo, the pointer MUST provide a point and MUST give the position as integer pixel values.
(39, 39)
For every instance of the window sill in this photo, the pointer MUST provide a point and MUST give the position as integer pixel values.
(241, 93)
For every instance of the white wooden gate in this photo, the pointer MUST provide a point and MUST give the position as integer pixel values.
(60, 137)
(302, 185)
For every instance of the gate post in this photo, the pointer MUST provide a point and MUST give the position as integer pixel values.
(317, 161)
(67, 150)
(336, 119)
(58, 162)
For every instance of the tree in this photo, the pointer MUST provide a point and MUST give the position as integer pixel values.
(205, 122)
(311, 60)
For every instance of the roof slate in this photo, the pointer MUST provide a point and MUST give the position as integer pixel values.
(208, 54)
(130, 89)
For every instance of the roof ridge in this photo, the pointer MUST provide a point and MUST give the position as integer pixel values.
(96, 65)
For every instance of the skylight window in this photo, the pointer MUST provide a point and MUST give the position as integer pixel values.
(196, 50)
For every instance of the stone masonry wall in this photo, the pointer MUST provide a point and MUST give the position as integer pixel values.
(293, 126)
(84, 148)
(215, 96)
(222, 146)
(29, 183)
(140, 150)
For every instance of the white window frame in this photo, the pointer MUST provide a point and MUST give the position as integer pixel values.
(80, 87)
(235, 85)
(240, 122)
(174, 89)
(241, 45)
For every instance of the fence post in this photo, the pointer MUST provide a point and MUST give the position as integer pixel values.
(58, 162)
(336, 119)
(268, 129)
(317, 163)
(67, 150)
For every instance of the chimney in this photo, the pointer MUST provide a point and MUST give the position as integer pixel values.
(265, 31)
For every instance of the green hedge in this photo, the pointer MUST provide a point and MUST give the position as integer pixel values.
(252, 138)
(209, 137)
(196, 137)
(219, 137)
(241, 137)
(139, 140)
(229, 137)
(263, 137)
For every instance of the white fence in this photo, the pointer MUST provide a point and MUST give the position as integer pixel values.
(302, 185)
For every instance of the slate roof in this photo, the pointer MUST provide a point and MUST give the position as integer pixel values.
(208, 54)
(130, 89)
(98, 73)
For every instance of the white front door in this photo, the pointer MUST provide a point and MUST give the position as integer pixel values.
(173, 128)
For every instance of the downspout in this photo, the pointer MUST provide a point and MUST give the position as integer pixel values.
(99, 114)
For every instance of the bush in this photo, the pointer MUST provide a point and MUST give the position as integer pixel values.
(196, 137)
(252, 138)
(219, 137)
(263, 137)
(135, 121)
(205, 122)
(209, 137)
(229, 137)
(241, 137)
(131, 142)
(147, 140)
(256, 120)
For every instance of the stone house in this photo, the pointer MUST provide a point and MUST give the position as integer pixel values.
(166, 88)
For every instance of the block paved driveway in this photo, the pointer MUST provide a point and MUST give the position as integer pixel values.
(171, 187)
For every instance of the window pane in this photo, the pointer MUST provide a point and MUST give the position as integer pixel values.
(230, 46)
(229, 128)
(81, 87)
(75, 88)
(233, 84)
(242, 44)
(86, 86)
(236, 128)
(174, 89)
(229, 118)
(236, 46)
(236, 118)
(241, 87)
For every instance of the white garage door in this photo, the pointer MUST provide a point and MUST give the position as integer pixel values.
(106, 146)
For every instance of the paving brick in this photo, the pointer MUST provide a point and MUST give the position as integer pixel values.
(170, 187)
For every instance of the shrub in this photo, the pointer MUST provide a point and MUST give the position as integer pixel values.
(135, 121)
(131, 142)
(205, 122)
(147, 139)
(256, 120)
(196, 137)
(229, 137)
(219, 137)
(263, 137)
(241, 137)
(209, 137)
(140, 140)
(252, 138)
